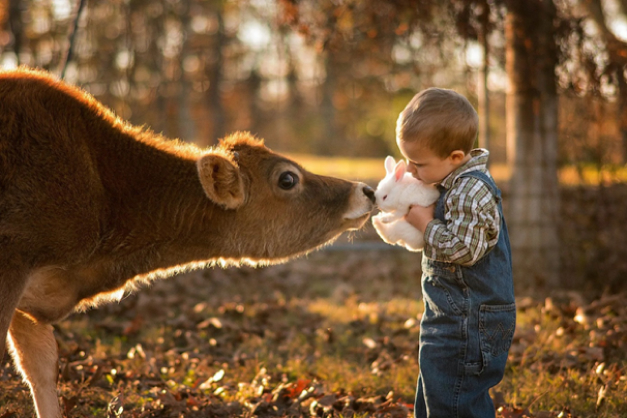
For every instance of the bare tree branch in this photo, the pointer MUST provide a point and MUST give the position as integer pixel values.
(70, 51)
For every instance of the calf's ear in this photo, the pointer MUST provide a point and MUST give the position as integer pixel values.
(221, 180)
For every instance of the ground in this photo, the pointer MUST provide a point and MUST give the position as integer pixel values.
(331, 334)
(336, 334)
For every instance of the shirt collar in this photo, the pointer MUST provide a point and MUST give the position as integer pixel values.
(478, 162)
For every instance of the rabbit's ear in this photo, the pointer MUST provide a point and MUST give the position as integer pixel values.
(400, 170)
(389, 164)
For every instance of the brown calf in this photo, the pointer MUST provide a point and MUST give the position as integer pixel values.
(90, 205)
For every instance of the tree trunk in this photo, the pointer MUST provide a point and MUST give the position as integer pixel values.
(17, 27)
(187, 126)
(327, 144)
(622, 110)
(482, 85)
(214, 74)
(532, 141)
(253, 85)
(483, 96)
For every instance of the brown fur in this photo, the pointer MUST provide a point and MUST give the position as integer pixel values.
(90, 204)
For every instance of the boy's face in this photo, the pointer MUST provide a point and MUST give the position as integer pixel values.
(428, 167)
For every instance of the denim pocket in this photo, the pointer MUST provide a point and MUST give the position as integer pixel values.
(445, 279)
(496, 328)
(443, 294)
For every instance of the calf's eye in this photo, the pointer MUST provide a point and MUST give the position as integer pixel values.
(288, 180)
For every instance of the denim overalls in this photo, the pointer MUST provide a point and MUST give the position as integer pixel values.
(467, 327)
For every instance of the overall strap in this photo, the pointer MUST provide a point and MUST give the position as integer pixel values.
(487, 180)
(479, 175)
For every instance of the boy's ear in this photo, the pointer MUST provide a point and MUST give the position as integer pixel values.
(221, 180)
(389, 164)
(457, 156)
(400, 170)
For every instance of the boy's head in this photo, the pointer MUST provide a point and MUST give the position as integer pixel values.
(436, 130)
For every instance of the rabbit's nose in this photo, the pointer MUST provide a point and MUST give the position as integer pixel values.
(369, 192)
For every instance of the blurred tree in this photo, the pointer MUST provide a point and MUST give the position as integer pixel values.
(616, 60)
(531, 61)
(69, 54)
(476, 20)
(16, 26)
(482, 88)
(185, 121)
(213, 68)
(143, 58)
(376, 55)
(5, 31)
(328, 144)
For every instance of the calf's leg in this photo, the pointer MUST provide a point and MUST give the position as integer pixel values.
(34, 352)
(12, 284)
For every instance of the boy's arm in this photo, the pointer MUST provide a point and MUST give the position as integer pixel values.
(420, 216)
(472, 225)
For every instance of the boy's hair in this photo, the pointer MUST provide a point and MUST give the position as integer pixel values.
(442, 120)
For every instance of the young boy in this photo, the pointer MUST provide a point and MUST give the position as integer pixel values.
(470, 315)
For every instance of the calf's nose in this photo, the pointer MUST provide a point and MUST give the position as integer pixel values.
(369, 192)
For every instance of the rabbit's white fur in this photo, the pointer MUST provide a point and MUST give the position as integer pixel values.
(395, 194)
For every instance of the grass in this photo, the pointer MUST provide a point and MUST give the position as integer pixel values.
(561, 362)
(330, 334)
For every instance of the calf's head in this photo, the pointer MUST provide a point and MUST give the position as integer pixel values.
(275, 208)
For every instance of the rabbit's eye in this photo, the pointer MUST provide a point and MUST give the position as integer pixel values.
(385, 197)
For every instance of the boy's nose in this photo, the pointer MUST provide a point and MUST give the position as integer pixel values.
(414, 174)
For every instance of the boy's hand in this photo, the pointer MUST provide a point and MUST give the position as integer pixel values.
(420, 216)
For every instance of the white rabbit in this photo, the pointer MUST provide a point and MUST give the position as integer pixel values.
(395, 194)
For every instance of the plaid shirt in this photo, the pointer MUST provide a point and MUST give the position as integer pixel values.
(472, 217)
